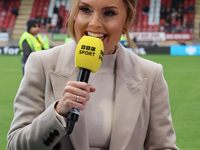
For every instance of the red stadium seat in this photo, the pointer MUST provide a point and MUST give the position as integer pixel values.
(1, 23)
(66, 14)
(7, 19)
(63, 30)
(139, 26)
(46, 4)
(191, 2)
(41, 4)
(145, 23)
(169, 3)
(11, 3)
(150, 28)
(132, 28)
(17, 3)
(164, 3)
(40, 8)
(185, 16)
(145, 17)
(191, 16)
(38, 13)
(162, 22)
(156, 28)
(44, 14)
(11, 25)
(5, 25)
(186, 3)
(147, 2)
(34, 9)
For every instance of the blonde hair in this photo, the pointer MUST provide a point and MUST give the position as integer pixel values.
(131, 10)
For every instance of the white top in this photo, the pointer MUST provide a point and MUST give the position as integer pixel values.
(100, 108)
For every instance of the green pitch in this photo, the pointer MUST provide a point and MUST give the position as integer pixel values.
(182, 74)
(10, 76)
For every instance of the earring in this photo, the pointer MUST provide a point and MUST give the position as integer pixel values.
(124, 31)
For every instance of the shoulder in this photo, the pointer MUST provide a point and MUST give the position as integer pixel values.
(149, 69)
(136, 60)
(146, 65)
(49, 58)
(55, 51)
(139, 69)
(23, 36)
(138, 65)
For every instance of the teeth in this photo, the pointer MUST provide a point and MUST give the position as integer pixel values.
(95, 35)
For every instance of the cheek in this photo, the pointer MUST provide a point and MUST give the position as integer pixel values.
(79, 26)
(115, 32)
(117, 26)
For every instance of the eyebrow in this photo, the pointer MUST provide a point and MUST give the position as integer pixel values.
(110, 7)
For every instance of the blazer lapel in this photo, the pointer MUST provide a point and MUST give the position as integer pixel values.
(129, 94)
(65, 71)
(127, 109)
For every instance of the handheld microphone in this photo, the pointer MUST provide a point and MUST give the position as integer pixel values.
(88, 58)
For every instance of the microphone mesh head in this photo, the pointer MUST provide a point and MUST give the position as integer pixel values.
(89, 53)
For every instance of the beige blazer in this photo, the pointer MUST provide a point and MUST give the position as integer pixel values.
(142, 112)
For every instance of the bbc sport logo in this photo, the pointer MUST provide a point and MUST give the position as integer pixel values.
(185, 50)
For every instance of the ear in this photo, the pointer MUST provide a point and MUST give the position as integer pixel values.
(124, 28)
(123, 31)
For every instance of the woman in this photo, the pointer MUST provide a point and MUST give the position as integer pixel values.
(125, 105)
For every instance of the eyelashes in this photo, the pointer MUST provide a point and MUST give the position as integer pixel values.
(106, 13)
(109, 13)
(84, 9)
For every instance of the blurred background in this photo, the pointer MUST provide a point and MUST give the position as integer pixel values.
(165, 31)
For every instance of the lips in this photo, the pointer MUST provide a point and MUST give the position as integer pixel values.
(97, 35)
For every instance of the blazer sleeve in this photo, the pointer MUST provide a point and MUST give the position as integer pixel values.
(34, 127)
(160, 133)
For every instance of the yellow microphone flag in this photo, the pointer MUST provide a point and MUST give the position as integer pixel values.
(89, 53)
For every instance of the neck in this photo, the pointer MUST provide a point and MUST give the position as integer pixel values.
(32, 33)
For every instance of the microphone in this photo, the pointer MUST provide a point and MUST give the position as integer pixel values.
(88, 58)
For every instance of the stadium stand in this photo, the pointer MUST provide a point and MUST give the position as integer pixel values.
(52, 14)
(8, 14)
(24, 12)
(165, 15)
(153, 16)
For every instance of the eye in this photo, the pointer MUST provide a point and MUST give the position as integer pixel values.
(109, 13)
(84, 9)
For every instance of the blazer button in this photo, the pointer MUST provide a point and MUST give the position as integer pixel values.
(57, 146)
(46, 143)
(56, 133)
(49, 139)
(52, 135)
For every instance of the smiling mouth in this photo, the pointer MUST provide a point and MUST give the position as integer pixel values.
(100, 36)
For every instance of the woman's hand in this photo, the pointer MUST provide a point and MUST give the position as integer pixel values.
(69, 97)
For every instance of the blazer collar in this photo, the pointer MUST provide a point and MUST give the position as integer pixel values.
(129, 93)
(128, 97)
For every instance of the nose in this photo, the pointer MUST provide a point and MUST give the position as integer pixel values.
(95, 21)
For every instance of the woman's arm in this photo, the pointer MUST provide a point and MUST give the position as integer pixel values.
(160, 134)
(32, 124)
